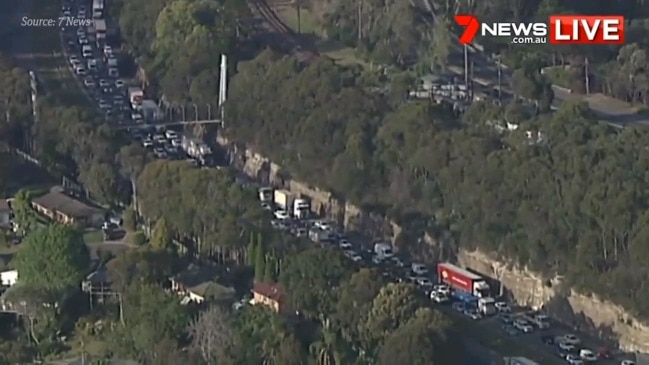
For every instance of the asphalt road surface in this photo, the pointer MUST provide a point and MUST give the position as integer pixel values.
(14, 39)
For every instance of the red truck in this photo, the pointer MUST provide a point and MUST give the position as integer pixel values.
(463, 280)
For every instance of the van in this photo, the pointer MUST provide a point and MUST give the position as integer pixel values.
(86, 51)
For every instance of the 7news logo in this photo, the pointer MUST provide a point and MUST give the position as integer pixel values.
(560, 29)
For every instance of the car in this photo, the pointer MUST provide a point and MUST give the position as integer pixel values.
(80, 70)
(147, 142)
(459, 307)
(571, 339)
(587, 355)
(503, 307)
(472, 314)
(322, 225)
(510, 330)
(137, 116)
(108, 50)
(176, 142)
(345, 245)
(506, 318)
(171, 150)
(376, 260)
(397, 261)
(356, 258)
(281, 214)
(567, 347)
(159, 153)
(119, 83)
(574, 360)
(442, 288)
(627, 362)
(81, 31)
(83, 41)
(103, 104)
(104, 83)
(89, 82)
(547, 339)
(171, 134)
(74, 59)
(82, 8)
(528, 328)
(112, 72)
(438, 297)
(421, 281)
(419, 269)
(159, 138)
(67, 13)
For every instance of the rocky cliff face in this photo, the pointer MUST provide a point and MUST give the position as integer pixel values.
(526, 288)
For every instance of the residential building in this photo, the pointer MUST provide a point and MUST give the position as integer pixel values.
(5, 214)
(199, 284)
(65, 209)
(8, 278)
(271, 295)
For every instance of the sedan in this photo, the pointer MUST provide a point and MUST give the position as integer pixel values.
(103, 104)
(574, 360)
(176, 142)
(424, 282)
(281, 214)
(147, 143)
(345, 245)
(104, 83)
(571, 339)
(89, 82)
(119, 83)
(588, 355)
(567, 347)
(472, 314)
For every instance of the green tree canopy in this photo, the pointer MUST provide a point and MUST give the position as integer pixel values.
(53, 258)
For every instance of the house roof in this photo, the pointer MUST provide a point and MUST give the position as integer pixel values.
(60, 202)
(4, 206)
(269, 290)
(194, 275)
(212, 290)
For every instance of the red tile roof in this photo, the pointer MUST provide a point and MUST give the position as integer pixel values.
(269, 290)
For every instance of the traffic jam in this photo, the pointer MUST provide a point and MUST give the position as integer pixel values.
(458, 289)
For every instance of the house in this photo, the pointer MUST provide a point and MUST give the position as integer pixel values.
(198, 284)
(5, 213)
(65, 209)
(8, 278)
(271, 295)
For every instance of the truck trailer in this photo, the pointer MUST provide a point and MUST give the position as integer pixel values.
(284, 199)
(135, 97)
(463, 280)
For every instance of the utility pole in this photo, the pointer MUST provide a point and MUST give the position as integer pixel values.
(466, 66)
(587, 76)
(360, 21)
(471, 80)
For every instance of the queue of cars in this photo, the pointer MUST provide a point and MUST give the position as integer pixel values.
(95, 63)
(567, 346)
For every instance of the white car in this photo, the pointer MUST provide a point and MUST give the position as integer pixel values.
(281, 214)
(147, 143)
(119, 83)
(503, 307)
(171, 134)
(438, 297)
(567, 347)
(571, 339)
(419, 269)
(89, 82)
(322, 225)
(104, 105)
(587, 355)
(104, 83)
(574, 360)
(442, 288)
(627, 362)
(176, 142)
(159, 138)
(425, 282)
(472, 314)
(345, 245)
(81, 71)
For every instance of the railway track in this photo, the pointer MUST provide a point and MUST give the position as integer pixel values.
(290, 41)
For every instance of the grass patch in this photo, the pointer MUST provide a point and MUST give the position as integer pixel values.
(93, 237)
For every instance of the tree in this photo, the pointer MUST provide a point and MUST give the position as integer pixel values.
(355, 300)
(260, 262)
(24, 216)
(161, 237)
(289, 351)
(393, 306)
(128, 219)
(212, 335)
(139, 266)
(422, 340)
(269, 269)
(132, 159)
(310, 284)
(52, 258)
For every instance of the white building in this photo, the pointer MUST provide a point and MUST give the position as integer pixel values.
(8, 278)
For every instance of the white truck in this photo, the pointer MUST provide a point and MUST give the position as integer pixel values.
(266, 195)
(301, 208)
(284, 199)
(135, 96)
(383, 251)
(487, 306)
